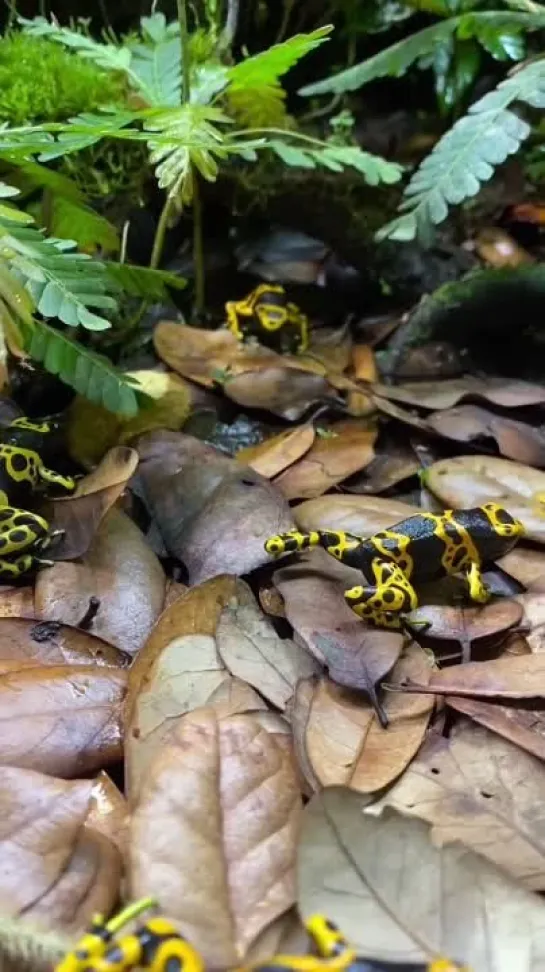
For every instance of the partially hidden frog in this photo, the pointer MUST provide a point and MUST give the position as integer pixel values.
(424, 547)
(157, 945)
(24, 534)
(268, 315)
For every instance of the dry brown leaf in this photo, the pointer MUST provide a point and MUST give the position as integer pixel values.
(523, 727)
(482, 791)
(213, 835)
(17, 602)
(360, 515)
(48, 643)
(533, 606)
(364, 365)
(108, 812)
(330, 346)
(56, 870)
(467, 481)
(195, 353)
(80, 515)
(395, 462)
(211, 511)
(121, 570)
(279, 389)
(251, 650)
(508, 392)
(356, 656)
(526, 565)
(497, 249)
(62, 720)
(467, 624)
(508, 677)
(515, 440)
(330, 460)
(345, 743)
(284, 936)
(274, 455)
(398, 898)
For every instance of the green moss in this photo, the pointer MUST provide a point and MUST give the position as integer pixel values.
(42, 82)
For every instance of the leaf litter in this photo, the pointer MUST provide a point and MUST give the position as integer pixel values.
(190, 719)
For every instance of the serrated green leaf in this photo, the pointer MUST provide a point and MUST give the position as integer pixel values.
(337, 157)
(185, 138)
(397, 59)
(106, 56)
(145, 282)
(270, 65)
(292, 155)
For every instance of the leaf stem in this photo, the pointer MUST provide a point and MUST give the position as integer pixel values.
(184, 42)
(160, 233)
(198, 249)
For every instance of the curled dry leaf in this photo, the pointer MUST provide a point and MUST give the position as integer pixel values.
(364, 365)
(508, 392)
(49, 643)
(80, 515)
(108, 812)
(399, 898)
(345, 743)
(356, 656)
(515, 440)
(360, 515)
(509, 677)
(482, 791)
(274, 455)
(57, 872)
(251, 650)
(119, 569)
(63, 720)
(330, 460)
(331, 346)
(211, 511)
(213, 834)
(466, 481)
(283, 391)
(395, 462)
(179, 669)
(523, 727)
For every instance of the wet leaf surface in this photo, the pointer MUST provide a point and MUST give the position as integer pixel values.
(213, 834)
(399, 898)
(62, 720)
(57, 870)
(482, 791)
(211, 511)
(330, 460)
(121, 571)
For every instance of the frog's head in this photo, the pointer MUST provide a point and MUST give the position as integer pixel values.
(493, 530)
(503, 523)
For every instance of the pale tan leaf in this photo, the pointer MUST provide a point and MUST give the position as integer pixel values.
(277, 453)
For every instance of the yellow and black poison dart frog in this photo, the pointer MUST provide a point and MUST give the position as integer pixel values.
(159, 947)
(267, 315)
(24, 535)
(421, 548)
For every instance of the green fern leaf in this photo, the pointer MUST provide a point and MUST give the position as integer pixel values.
(268, 66)
(81, 132)
(336, 158)
(87, 373)
(467, 155)
(157, 68)
(88, 229)
(145, 282)
(187, 138)
(106, 56)
(397, 59)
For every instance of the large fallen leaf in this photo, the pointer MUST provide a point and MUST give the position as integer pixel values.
(56, 870)
(212, 512)
(213, 835)
(63, 720)
(119, 569)
(482, 791)
(509, 677)
(360, 515)
(49, 643)
(394, 462)
(399, 898)
(277, 453)
(356, 656)
(526, 565)
(508, 392)
(195, 353)
(79, 516)
(250, 648)
(466, 481)
(279, 389)
(523, 727)
(515, 440)
(179, 669)
(345, 743)
(331, 460)
(468, 623)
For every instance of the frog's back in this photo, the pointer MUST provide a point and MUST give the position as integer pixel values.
(413, 544)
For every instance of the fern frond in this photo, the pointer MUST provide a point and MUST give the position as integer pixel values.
(145, 282)
(157, 65)
(258, 107)
(337, 157)
(268, 66)
(81, 132)
(107, 56)
(397, 59)
(187, 138)
(63, 283)
(87, 373)
(88, 229)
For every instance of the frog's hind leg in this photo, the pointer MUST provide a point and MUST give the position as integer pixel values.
(384, 602)
(478, 590)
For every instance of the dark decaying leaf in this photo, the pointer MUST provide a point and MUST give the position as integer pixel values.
(510, 393)
(282, 391)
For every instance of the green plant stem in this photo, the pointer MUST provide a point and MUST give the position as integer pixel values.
(184, 42)
(160, 232)
(198, 249)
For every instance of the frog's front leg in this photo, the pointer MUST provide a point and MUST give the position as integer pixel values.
(384, 602)
(478, 590)
(53, 478)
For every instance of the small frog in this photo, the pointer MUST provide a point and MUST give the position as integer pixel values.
(266, 314)
(23, 537)
(423, 547)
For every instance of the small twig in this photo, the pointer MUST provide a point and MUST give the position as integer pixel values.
(93, 608)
